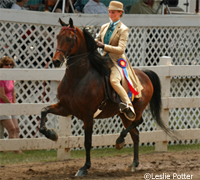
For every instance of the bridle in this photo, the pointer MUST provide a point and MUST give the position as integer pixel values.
(69, 50)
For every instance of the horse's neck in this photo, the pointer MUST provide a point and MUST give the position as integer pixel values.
(82, 65)
(82, 47)
(79, 66)
(82, 53)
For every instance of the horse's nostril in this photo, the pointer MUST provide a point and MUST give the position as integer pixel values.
(56, 63)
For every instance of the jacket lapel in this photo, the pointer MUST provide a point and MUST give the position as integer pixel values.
(104, 32)
(115, 31)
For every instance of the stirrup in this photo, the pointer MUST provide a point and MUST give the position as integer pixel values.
(128, 110)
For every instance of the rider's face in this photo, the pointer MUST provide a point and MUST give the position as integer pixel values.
(115, 15)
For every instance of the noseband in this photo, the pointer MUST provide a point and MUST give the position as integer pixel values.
(69, 50)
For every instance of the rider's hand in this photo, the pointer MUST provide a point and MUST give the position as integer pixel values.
(100, 44)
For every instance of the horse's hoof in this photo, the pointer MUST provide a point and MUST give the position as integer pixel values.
(120, 145)
(52, 134)
(130, 169)
(81, 173)
(43, 130)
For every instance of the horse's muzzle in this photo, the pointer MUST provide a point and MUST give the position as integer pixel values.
(56, 63)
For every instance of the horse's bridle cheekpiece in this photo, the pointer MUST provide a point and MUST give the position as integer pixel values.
(69, 50)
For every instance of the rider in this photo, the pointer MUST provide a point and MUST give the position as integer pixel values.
(112, 39)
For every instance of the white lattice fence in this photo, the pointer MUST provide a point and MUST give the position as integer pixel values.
(30, 39)
(31, 46)
(35, 92)
(102, 138)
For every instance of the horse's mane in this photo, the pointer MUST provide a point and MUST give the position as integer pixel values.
(100, 63)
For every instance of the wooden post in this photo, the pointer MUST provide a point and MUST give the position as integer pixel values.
(1, 131)
(64, 130)
(46, 5)
(197, 6)
(165, 83)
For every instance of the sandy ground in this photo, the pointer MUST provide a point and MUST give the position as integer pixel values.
(170, 165)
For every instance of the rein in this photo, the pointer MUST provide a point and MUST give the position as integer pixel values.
(84, 55)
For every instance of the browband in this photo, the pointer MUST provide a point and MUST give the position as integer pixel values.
(68, 28)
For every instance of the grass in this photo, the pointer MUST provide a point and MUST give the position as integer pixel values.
(51, 155)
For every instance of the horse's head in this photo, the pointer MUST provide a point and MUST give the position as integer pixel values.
(66, 40)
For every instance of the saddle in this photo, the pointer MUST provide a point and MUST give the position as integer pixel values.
(110, 92)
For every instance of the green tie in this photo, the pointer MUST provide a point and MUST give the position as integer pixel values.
(111, 28)
(109, 33)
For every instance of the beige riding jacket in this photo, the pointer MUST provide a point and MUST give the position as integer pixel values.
(116, 49)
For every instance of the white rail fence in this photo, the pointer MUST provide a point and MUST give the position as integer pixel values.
(30, 39)
(67, 141)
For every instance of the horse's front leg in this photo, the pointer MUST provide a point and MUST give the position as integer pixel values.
(88, 144)
(135, 136)
(54, 109)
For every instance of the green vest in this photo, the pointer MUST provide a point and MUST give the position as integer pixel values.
(108, 34)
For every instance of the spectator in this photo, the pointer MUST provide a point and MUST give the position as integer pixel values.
(148, 7)
(95, 7)
(35, 5)
(145, 7)
(19, 4)
(7, 95)
(68, 8)
(78, 6)
(7, 3)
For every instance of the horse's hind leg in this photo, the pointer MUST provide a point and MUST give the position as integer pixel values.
(135, 137)
(129, 125)
(50, 134)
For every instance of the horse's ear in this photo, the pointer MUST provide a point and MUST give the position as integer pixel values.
(62, 23)
(71, 22)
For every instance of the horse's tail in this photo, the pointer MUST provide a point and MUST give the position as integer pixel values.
(155, 102)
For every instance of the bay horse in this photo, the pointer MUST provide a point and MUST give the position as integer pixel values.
(82, 91)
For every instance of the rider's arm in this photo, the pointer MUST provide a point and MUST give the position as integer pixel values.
(122, 41)
(98, 38)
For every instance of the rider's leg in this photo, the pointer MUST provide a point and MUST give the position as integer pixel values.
(126, 106)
